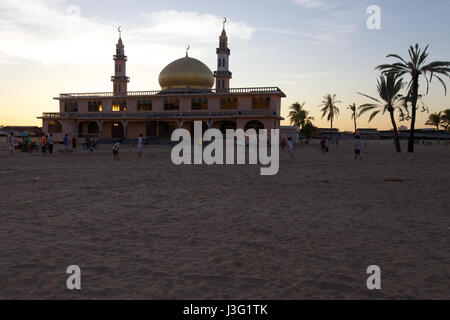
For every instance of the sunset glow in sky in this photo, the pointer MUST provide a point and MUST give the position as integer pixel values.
(308, 48)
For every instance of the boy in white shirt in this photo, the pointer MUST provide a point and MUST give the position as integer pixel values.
(290, 145)
(140, 146)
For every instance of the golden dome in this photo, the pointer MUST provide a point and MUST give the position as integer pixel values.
(185, 73)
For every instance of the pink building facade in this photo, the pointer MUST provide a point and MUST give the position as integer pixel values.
(186, 95)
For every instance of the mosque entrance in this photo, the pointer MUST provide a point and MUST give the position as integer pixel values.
(225, 125)
(254, 124)
(117, 130)
(164, 130)
(152, 129)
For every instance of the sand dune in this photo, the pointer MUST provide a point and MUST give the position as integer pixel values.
(147, 229)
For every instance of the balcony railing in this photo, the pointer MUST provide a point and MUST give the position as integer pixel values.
(160, 115)
(257, 90)
(120, 57)
(120, 78)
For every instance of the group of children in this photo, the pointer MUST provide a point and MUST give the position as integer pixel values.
(324, 146)
(27, 145)
(47, 143)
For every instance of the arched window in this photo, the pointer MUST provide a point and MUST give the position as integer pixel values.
(95, 106)
(199, 104)
(223, 63)
(261, 103)
(220, 62)
(172, 104)
(54, 127)
(254, 124)
(144, 105)
(119, 106)
(228, 103)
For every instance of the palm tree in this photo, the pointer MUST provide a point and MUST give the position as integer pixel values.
(355, 115)
(299, 116)
(330, 109)
(415, 68)
(389, 87)
(435, 120)
(308, 130)
(446, 123)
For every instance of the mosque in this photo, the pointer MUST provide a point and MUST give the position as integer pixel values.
(186, 95)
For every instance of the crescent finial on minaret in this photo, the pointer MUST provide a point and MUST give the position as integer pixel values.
(224, 21)
(120, 32)
(187, 49)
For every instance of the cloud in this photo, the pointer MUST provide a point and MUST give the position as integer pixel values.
(192, 25)
(324, 32)
(50, 32)
(310, 3)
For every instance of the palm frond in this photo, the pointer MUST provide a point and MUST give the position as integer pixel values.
(365, 95)
(373, 115)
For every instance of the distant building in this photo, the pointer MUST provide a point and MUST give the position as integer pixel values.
(346, 135)
(368, 134)
(420, 134)
(430, 134)
(289, 131)
(327, 133)
(17, 130)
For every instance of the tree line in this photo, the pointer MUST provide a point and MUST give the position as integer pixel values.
(398, 91)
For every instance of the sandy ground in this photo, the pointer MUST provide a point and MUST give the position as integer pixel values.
(147, 229)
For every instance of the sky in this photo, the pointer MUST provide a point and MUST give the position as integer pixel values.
(307, 48)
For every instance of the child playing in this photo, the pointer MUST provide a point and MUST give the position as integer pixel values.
(140, 146)
(116, 149)
(11, 143)
(358, 148)
(283, 144)
(290, 145)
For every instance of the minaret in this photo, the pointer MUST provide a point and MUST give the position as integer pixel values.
(120, 80)
(223, 74)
